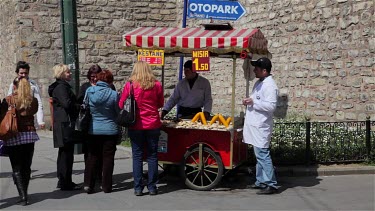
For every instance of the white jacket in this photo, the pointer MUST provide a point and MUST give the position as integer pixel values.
(36, 93)
(258, 120)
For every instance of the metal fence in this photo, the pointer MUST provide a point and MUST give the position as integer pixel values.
(323, 142)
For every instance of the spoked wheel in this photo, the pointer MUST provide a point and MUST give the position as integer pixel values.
(202, 169)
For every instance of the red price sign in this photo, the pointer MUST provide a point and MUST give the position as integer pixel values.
(201, 61)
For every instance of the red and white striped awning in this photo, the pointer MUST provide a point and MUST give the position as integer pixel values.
(185, 40)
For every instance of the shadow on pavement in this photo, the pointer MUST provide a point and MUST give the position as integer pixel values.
(54, 174)
(239, 178)
(38, 197)
(120, 182)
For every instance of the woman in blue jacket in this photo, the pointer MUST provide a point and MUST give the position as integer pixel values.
(103, 131)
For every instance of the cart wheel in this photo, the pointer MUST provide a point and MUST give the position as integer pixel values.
(202, 174)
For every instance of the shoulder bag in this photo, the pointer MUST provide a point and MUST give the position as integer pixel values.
(8, 125)
(127, 116)
(84, 117)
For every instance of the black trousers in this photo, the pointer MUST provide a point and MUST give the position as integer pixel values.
(65, 160)
(86, 158)
(101, 151)
(21, 157)
(188, 113)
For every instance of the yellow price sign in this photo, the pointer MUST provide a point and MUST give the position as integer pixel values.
(201, 61)
(152, 57)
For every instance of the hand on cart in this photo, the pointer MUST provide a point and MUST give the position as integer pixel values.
(162, 114)
(247, 101)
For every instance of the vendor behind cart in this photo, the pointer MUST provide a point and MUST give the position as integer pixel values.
(191, 95)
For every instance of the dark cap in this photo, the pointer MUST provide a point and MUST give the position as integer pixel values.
(188, 64)
(263, 63)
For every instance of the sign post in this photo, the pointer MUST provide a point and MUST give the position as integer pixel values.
(220, 10)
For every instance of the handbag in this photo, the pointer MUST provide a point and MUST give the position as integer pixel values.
(127, 116)
(84, 116)
(8, 125)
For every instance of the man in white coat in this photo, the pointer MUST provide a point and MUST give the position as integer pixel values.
(23, 69)
(258, 125)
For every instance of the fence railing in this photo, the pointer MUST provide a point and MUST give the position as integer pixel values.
(323, 142)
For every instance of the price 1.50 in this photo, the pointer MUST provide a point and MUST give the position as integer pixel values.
(201, 66)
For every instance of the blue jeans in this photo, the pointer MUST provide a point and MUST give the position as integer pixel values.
(265, 173)
(139, 140)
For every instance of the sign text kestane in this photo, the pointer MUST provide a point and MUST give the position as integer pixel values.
(152, 57)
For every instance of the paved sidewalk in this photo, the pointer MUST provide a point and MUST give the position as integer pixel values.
(313, 170)
(342, 192)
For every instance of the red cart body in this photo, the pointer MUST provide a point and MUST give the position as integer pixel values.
(180, 140)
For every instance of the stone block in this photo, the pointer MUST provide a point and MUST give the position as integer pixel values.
(370, 107)
(26, 22)
(350, 116)
(318, 82)
(342, 73)
(94, 59)
(156, 17)
(362, 5)
(319, 112)
(82, 35)
(104, 45)
(347, 105)
(369, 80)
(340, 115)
(87, 2)
(85, 45)
(101, 2)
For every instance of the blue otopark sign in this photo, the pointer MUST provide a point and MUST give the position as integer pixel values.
(219, 10)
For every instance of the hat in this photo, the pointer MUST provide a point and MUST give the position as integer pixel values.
(263, 63)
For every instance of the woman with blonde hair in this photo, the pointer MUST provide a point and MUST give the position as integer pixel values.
(148, 93)
(21, 147)
(65, 113)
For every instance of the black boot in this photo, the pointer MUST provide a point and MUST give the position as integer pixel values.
(17, 177)
(25, 186)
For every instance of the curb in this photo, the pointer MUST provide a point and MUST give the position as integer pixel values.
(324, 171)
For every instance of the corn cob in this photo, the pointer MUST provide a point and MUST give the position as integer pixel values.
(213, 120)
(221, 119)
(203, 119)
(196, 117)
(229, 120)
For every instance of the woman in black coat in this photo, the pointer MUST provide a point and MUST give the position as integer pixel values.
(65, 112)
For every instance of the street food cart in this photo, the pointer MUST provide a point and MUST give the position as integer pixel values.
(204, 152)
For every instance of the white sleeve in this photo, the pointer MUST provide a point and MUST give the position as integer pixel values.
(207, 106)
(173, 99)
(39, 114)
(10, 91)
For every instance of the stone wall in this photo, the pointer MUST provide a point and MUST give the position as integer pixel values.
(323, 56)
(32, 33)
(323, 50)
(8, 44)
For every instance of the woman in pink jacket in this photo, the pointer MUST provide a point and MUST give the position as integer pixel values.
(148, 93)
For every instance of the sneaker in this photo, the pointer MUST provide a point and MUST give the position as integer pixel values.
(138, 193)
(153, 192)
(254, 186)
(267, 190)
(73, 186)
